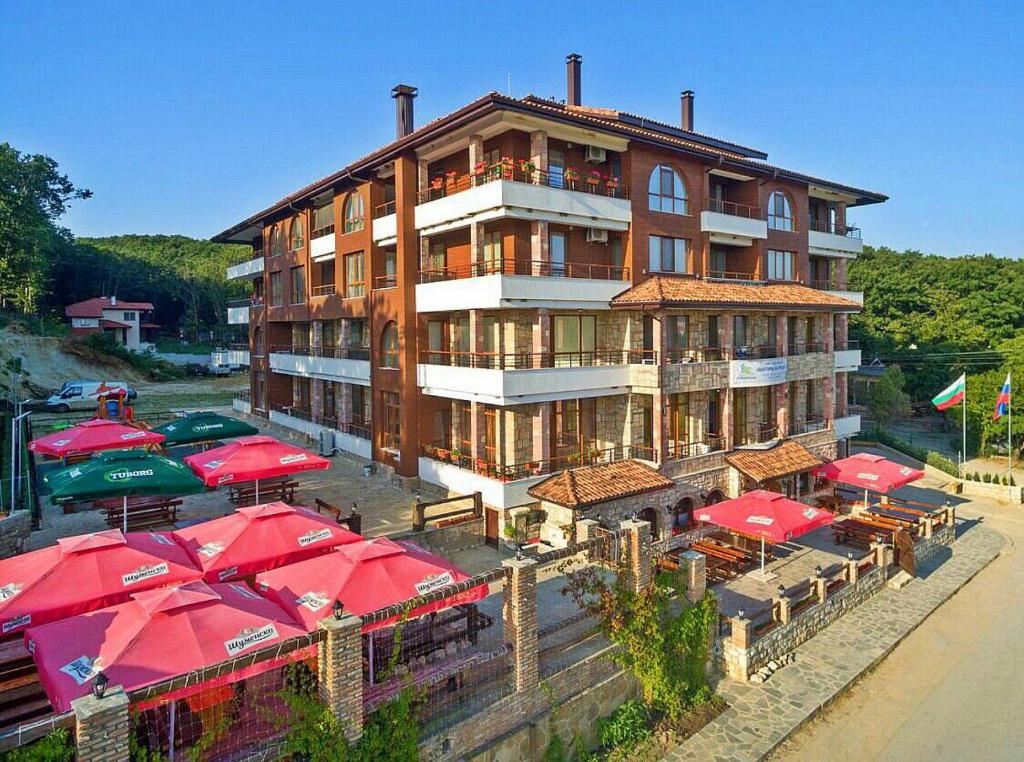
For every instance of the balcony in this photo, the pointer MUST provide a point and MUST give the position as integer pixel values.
(350, 436)
(322, 246)
(846, 427)
(522, 378)
(847, 356)
(511, 283)
(509, 190)
(755, 434)
(733, 224)
(248, 269)
(826, 239)
(238, 311)
(681, 450)
(830, 286)
(385, 224)
(810, 425)
(236, 354)
(350, 365)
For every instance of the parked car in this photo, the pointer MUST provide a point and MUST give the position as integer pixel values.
(218, 369)
(196, 369)
(80, 395)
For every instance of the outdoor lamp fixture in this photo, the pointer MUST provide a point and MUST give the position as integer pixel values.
(338, 608)
(879, 539)
(99, 686)
(519, 552)
(741, 613)
(817, 570)
(782, 591)
(354, 507)
(849, 555)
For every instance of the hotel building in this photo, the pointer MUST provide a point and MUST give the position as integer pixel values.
(526, 286)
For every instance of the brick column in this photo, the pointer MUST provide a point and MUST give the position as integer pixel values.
(520, 621)
(341, 672)
(476, 330)
(694, 567)
(828, 402)
(476, 243)
(476, 150)
(785, 607)
(839, 274)
(539, 149)
(585, 529)
(316, 397)
(851, 570)
(782, 408)
(841, 395)
(639, 567)
(539, 253)
(422, 178)
(345, 403)
(477, 430)
(725, 336)
(742, 632)
(542, 431)
(102, 726)
(820, 586)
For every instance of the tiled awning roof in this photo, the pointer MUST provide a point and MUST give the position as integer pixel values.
(589, 485)
(684, 291)
(784, 459)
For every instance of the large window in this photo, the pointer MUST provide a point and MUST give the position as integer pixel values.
(277, 240)
(389, 346)
(391, 436)
(780, 265)
(323, 219)
(667, 255)
(666, 191)
(360, 405)
(355, 281)
(298, 284)
(355, 218)
(575, 340)
(780, 211)
(437, 258)
(296, 234)
(492, 251)
(558, 250)
(678, 333)
(276, 289)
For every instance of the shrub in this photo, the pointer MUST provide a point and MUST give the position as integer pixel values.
(1012, 482)
(147, 364)
(627, 726)
(942, 463)
(987, 478)
(56, 746)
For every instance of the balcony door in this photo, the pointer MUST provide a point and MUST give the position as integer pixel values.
(556, 168)
(438, 342)
(575, 430)
(558, 249)
(575, 340)
(739, 416)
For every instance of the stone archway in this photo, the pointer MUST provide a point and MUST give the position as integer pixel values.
(650, 514)
(714, 496)
(682, 515)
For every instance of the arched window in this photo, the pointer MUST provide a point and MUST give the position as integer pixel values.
(780, 211)
(354, 217)
(715, 496)
(682, 515)
(389, 346)
(666, 191)
(277, 240)
(296, 236)
(650, 515)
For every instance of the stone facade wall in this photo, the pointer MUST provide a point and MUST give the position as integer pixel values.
(612, 414)
(739, 663)
(815, 365)
(447, 540)
(695, 376)
(14, 530)
(927, 548)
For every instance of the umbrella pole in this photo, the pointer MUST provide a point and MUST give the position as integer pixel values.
(124, 506)
(257, 492)
(762, 556)
(170, 731)
(371, 658)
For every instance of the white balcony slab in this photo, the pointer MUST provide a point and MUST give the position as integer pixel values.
(847, 360)
(385, 229)
(523, 291)
(238, 315)
(230, 357)
(249, 269)
(847, 427)
(501, 199)
(322, 246)
(241, 406)
(730, 229)
(343, 441)
(853, 296)
(832, 245)
(495, 493)
(328, 368)
(520, 387)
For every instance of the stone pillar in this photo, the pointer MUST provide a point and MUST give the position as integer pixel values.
(539, 149)
(639, 565)
(316, 394)
(841, 395)
(541, 335)
(477, 431)
(341, 672)
(476, 151)
(476, 330)
(422, 178)
(839, 274)
(585, 529)
(542, 432)
(820, 586)
(102, 726)
(694, 567)
(476, 243)
(782, 415)
(539, 252)
(520, 621)
(851, 570)
(828, 398)
(742, 632)
(660, 423)
(785, 608)
(345, 403)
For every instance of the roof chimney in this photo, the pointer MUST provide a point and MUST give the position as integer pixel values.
(403, 95)
(573, 82)
(113, 301)
(686, 102)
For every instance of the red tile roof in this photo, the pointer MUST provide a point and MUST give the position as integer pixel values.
(113, 324)
(688, 291)
(589, 485)
(94, 307)
(782, 459)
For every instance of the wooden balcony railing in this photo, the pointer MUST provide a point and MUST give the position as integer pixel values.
(591, 270)
(580, 179)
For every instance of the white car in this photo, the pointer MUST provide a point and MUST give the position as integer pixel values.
(81, 395)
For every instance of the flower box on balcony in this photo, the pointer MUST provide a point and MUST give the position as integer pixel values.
(437, 183)
(613, 183)
(593, 178)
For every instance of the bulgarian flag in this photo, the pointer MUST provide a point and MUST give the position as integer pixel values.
(952, 394)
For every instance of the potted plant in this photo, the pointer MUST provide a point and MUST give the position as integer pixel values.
(526, 166)
(593, 178)
(450, 177)
(506, 167)
(612, 182)
(572, 174)
(456, 455)
(437, 182)
(442, 454)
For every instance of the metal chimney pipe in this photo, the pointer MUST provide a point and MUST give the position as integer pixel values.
(573, 79)
(686, 103)
(403, 95)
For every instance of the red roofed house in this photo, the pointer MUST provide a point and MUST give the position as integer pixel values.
(129, 322)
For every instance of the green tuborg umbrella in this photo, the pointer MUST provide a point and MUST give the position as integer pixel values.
(122, 473)
(202, 427)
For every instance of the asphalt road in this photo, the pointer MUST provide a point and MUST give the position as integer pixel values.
(953, 690)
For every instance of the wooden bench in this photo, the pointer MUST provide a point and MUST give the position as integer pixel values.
(245, 494)
(149, 515)
(22, 698)
(353, 522)
(860, 531)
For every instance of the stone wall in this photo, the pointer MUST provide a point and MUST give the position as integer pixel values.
(814, 365)
(14, 530)
(927, 548)
(449, 539)
(695, 376)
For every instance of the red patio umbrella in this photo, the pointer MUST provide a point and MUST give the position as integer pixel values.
(159, 634)
(250, 459)
(767, 515)
(257, 538)
(869, 472)
(93, 436)
(364, 576)
(87, 572)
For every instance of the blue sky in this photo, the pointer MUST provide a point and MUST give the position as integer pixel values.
(187, 117)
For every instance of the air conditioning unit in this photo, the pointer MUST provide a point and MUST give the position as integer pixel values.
(596, 155)
(597, 236)
(325, 445)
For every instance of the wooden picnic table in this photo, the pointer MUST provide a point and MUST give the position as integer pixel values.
(22, 698)
(271, 489)
(144, 513)
(860, 530)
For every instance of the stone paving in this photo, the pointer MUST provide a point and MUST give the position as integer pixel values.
(760, 717)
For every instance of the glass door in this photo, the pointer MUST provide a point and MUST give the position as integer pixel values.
(556, 168)
(557, 250)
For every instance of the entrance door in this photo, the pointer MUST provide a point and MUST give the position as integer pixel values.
(904, 551)
(491, 527)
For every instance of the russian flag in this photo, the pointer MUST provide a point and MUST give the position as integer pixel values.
(1003, 400)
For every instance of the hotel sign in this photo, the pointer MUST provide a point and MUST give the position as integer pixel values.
(743, 373)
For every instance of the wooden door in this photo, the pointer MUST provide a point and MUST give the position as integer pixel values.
(904, 551)
(491, 527)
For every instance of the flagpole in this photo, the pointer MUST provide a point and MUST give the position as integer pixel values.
(963, 459)
(1009, 427)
